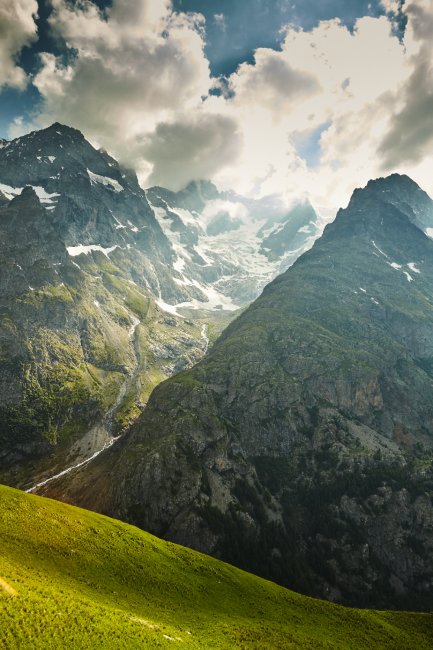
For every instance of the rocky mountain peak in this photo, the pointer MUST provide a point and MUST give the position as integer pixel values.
(383, 211)
(402, 192)
(62, 130)
(27, 195)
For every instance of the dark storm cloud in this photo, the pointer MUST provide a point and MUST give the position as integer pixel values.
(411, 130)
(191, 148)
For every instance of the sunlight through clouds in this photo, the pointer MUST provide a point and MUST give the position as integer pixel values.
(328, 111)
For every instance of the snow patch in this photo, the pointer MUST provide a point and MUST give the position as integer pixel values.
(182, 283)
(394, 265)
(409, 278)
(105, 180)
(11, 192)
(179, 264)
(411, 265)
(363, 290)
(96, 303)
(199, 249)
(169, 308)
(77, 250)
(377, 248)
(44, 197)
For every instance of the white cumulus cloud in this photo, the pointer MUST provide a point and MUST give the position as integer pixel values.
(139, 68)
(17, 29)
(329, 78)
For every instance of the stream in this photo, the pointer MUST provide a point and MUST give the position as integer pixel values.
(102, 430)
(203, 333)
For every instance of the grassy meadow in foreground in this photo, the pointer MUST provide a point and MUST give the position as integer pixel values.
(86, 581)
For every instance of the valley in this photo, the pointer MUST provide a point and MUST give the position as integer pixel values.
(246, 379)
(216, 325)
(91, 288)
(300, 447)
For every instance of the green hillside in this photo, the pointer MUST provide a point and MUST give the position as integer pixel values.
(86, 581)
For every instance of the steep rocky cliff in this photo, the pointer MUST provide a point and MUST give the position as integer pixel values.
(300, 448)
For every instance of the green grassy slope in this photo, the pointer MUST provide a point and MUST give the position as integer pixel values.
(86, 581)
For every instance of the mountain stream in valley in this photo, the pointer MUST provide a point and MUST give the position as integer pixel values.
(203, 333)
(99, 438)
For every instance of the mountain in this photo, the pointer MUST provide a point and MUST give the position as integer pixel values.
(97, 303)
(81, 345)
(300, 448)
(198, 248)
(73, 579)
(83, 339)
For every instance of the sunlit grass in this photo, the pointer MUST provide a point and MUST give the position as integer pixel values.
(86, 581)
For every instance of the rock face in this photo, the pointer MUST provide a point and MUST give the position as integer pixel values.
(157, 237)
(300, 447)
(90, 201)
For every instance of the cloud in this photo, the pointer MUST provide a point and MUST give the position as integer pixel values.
(193, 147)
(325, 113)
(17, 29)
(132, 67)
(331, 89)
(409, 136)
(272, 82)
(220, 20)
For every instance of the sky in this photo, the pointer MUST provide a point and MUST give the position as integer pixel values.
(303, 99)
